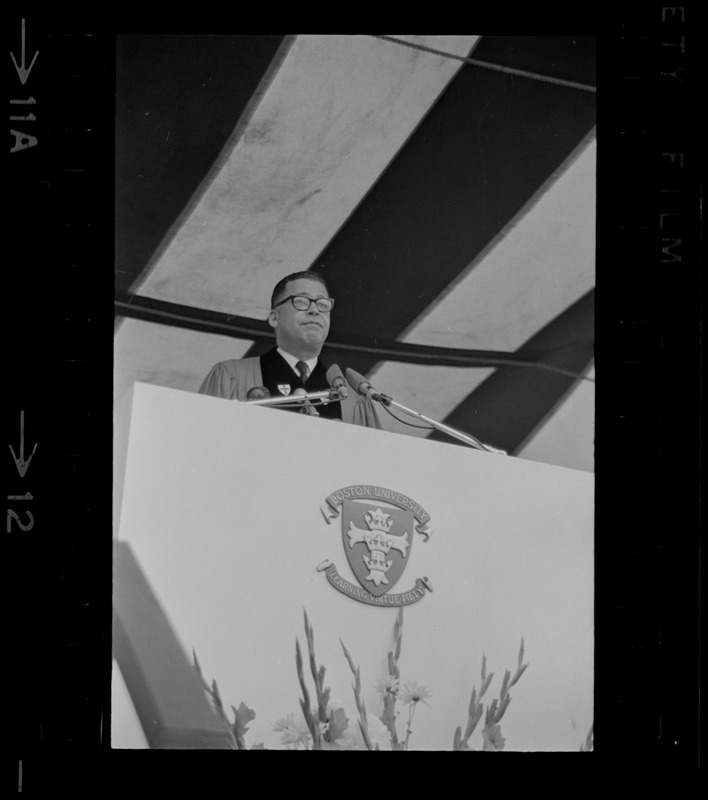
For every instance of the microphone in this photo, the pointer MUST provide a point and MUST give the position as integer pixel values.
(307, 407)
(362, 386)
(257, 393)
(336, 381)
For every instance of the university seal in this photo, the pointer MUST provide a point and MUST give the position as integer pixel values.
(378, 527)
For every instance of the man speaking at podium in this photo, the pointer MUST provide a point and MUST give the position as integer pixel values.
(300, 312)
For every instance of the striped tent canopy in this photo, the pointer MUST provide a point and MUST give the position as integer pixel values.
(444, 185)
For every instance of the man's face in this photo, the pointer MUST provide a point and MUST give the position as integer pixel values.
(301, 333)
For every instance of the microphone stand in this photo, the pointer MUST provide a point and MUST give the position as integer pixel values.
(385, 400)
(320, 398)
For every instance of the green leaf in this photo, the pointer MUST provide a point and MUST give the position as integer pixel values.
(338, 723)
(325, 697)
(242, 716)
(388, 716)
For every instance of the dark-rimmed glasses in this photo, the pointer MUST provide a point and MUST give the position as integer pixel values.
(302, 303)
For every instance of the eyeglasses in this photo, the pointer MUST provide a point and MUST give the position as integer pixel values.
(302, 303)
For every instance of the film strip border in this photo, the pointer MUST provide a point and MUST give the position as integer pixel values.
(59, 333)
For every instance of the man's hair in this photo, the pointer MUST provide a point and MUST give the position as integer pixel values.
(281, 285)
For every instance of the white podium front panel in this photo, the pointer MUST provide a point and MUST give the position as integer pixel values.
(226, 509)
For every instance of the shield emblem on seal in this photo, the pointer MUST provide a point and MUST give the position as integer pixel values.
(377, 539)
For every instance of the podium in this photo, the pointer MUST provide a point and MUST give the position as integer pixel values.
(242, 518)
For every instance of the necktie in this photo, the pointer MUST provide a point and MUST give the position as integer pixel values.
(302, 368)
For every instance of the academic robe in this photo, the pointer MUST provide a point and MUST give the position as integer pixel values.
(231, 379)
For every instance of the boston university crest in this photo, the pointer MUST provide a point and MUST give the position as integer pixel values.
(378, 527)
